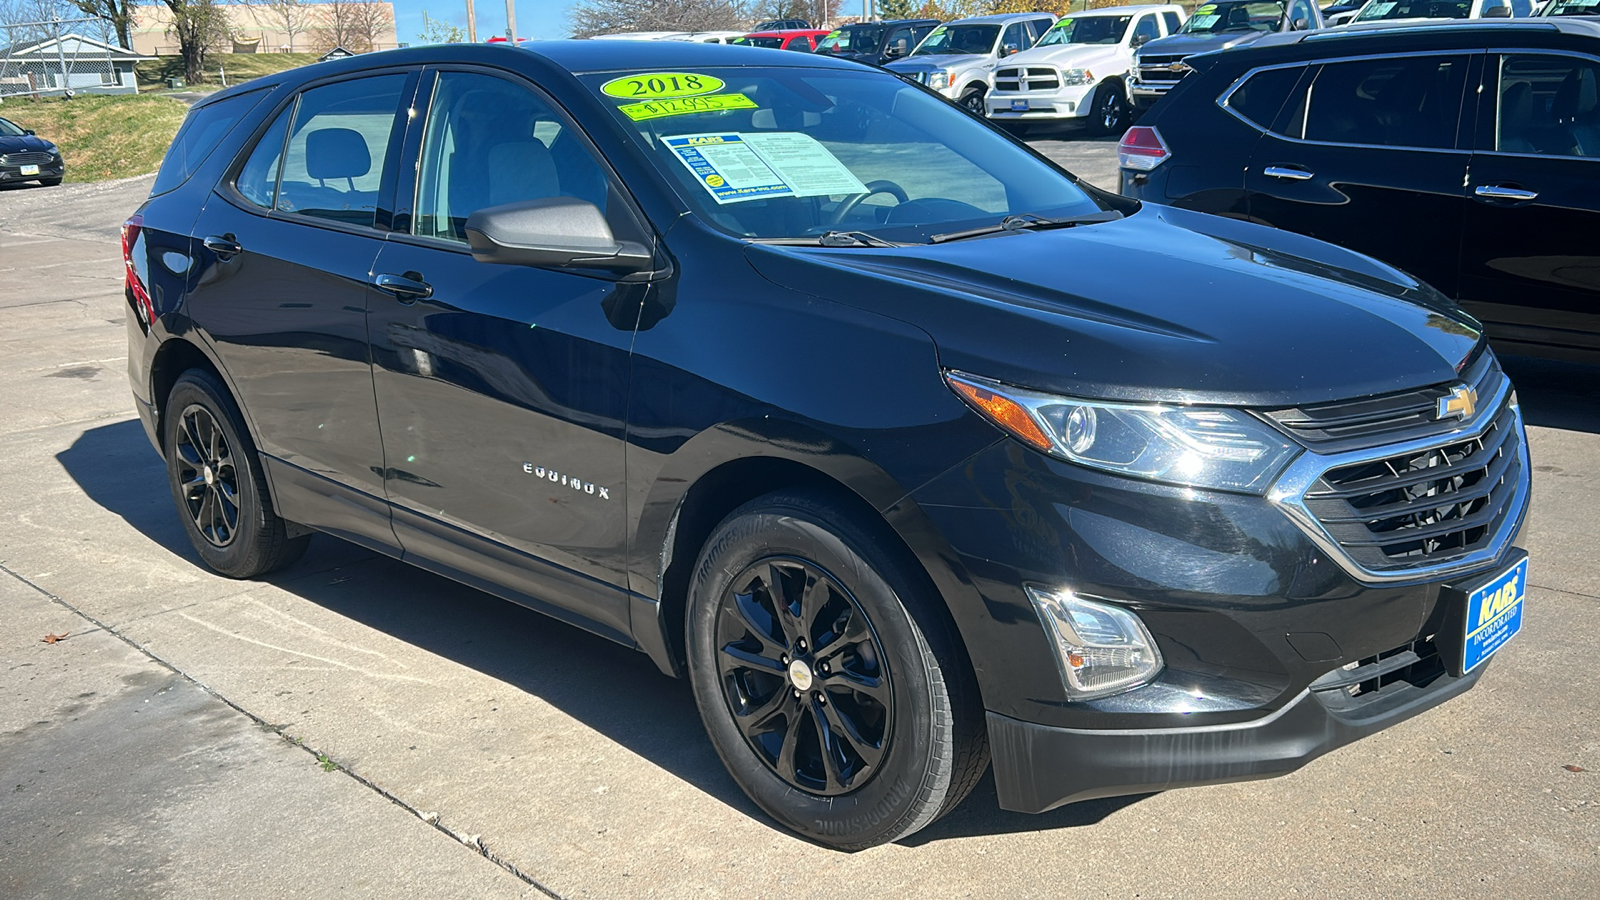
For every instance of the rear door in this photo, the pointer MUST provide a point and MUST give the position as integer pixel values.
(1365, 155)
(502, 390)
(286, 247)
(1530, 267)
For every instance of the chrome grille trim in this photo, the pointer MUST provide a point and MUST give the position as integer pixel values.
(1025, 79)
(1301, 491)
(27, 158)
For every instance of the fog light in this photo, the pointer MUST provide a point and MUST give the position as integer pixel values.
(1101, 649)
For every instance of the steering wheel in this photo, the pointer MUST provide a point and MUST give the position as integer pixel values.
(873, 187)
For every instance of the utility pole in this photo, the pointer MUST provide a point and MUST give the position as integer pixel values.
(511, 21)
(472, 25)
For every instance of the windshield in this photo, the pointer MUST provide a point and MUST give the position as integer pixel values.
(948, 39)
(769, 42)
(1414, 9)
(1573, 8)
(795, 153)
(1087, 30)
(9, 130)
(1217, 18)
(855, 39)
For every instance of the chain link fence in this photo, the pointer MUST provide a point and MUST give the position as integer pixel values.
(62, 57)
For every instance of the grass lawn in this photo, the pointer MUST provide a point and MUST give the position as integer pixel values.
(103, 137)
(153, 73)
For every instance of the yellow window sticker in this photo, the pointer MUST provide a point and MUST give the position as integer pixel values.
(682, 106)
(1206, 9)
(661, 85)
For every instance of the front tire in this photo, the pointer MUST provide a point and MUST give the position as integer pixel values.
(218, 484)
(972, 101)
(1110, 112)
(49, 182)
(831, 685)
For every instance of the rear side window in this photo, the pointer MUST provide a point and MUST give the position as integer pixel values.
(1260, 97)
(1412, 102)
(258, 180)
(333, 163)
(202, 131)
(1549, 105)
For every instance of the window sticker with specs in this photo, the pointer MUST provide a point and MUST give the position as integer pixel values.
(736, 166)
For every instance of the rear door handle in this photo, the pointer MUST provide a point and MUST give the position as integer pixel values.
(225, 246)
(1499, 192)
(409, 287)
(1287, 173)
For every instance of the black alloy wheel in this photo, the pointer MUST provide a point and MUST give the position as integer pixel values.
(972, 102)
(218, 485)
(1110, 115)
(209, 480)
(804, 676)
(828, 673)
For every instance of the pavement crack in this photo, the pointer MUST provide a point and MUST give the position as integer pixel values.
(473, 842)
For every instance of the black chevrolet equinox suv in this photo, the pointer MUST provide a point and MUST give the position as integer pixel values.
(904, 446)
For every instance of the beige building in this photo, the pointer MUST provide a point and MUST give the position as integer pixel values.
(259, 28)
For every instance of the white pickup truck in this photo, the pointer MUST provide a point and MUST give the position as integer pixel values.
(1078, 71)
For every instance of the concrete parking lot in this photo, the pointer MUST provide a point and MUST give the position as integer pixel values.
(354, 726)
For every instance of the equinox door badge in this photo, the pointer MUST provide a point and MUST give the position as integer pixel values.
(587, 487)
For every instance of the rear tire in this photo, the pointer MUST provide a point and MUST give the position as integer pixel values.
(218, 484)
(832, 687)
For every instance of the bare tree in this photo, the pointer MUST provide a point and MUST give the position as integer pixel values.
(354, 25)
(118, 12)
(200, 26)
(37, 15)
(592, 17)
(291, 17)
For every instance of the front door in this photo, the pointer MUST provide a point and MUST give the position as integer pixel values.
(1530, 268)
(1364, 155)
(289, 242)
(502, 390)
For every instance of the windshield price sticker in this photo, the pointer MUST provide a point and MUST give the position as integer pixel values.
(682, 106)
(1202, 22)
(661, 85)
(735, 167)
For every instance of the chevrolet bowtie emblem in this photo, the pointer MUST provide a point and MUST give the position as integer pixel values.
(1461, 403)
(1178, 67)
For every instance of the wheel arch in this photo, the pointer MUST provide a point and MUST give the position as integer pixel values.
(174, 357)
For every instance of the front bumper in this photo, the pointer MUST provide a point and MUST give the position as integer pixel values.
(1038, 768)
(1146, 93)
(9, 174)
(1067, 103)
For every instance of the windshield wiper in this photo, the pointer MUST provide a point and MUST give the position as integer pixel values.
(1027, 222)
(833, 239)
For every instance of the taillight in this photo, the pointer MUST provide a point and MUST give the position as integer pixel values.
(1142, 149)
(141, 297)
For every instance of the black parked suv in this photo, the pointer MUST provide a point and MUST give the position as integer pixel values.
(1466, 154)
(876, 43)
(765, 365)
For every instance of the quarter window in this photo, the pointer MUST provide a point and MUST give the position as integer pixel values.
(1548, 105)
(333, 164)
(201, 132)
(1263, 94)
(490, 142)
(258, 180)
(1412, 102)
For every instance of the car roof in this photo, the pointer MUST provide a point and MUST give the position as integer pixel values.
(1122, 10)
(999, 18)
(1374, 32)
(890, 22)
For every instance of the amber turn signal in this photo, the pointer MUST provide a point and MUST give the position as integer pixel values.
(1002, 411)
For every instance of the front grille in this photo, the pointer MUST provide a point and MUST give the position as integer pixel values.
(1022, 79)
(1366, 681)
(27, 158)
(1159, 69)
(1425, 508)
(1388, 419)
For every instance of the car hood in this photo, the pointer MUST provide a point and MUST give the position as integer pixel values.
(1075, 56)
(1190, 44)
(26, 142)
(1163, 306)
(937, 63)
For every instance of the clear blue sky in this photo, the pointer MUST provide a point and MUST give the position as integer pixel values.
(538, 19)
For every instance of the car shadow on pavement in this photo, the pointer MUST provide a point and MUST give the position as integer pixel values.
(1556, 394)
(616, 691)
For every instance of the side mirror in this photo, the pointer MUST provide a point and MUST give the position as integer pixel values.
(555, 232)
(1497, 12)
(1298, 24)
(899, 48)
(29, 131)
(1139, 40)
(1009, 49)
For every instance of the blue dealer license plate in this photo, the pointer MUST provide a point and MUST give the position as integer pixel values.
(1494, 615)
(1019, 105)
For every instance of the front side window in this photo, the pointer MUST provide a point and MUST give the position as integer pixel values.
(1412, 102)
(489, 142)
(1145, 31)
(1548, 106)
(958, 39)
(1087, 30)
(794, 153)
(333, 162)
(1300, 11)
(1236, 16)
(1016, 37)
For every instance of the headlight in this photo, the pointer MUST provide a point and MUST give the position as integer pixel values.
(1206, 447)
(939, 80)
(1076, 77)
(1100, 649)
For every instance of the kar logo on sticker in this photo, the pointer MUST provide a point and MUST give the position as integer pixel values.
(714, 180)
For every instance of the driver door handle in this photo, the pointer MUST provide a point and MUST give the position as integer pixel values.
(225, 246)
(1287, 173)
(408, 288)
(1499, 192)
